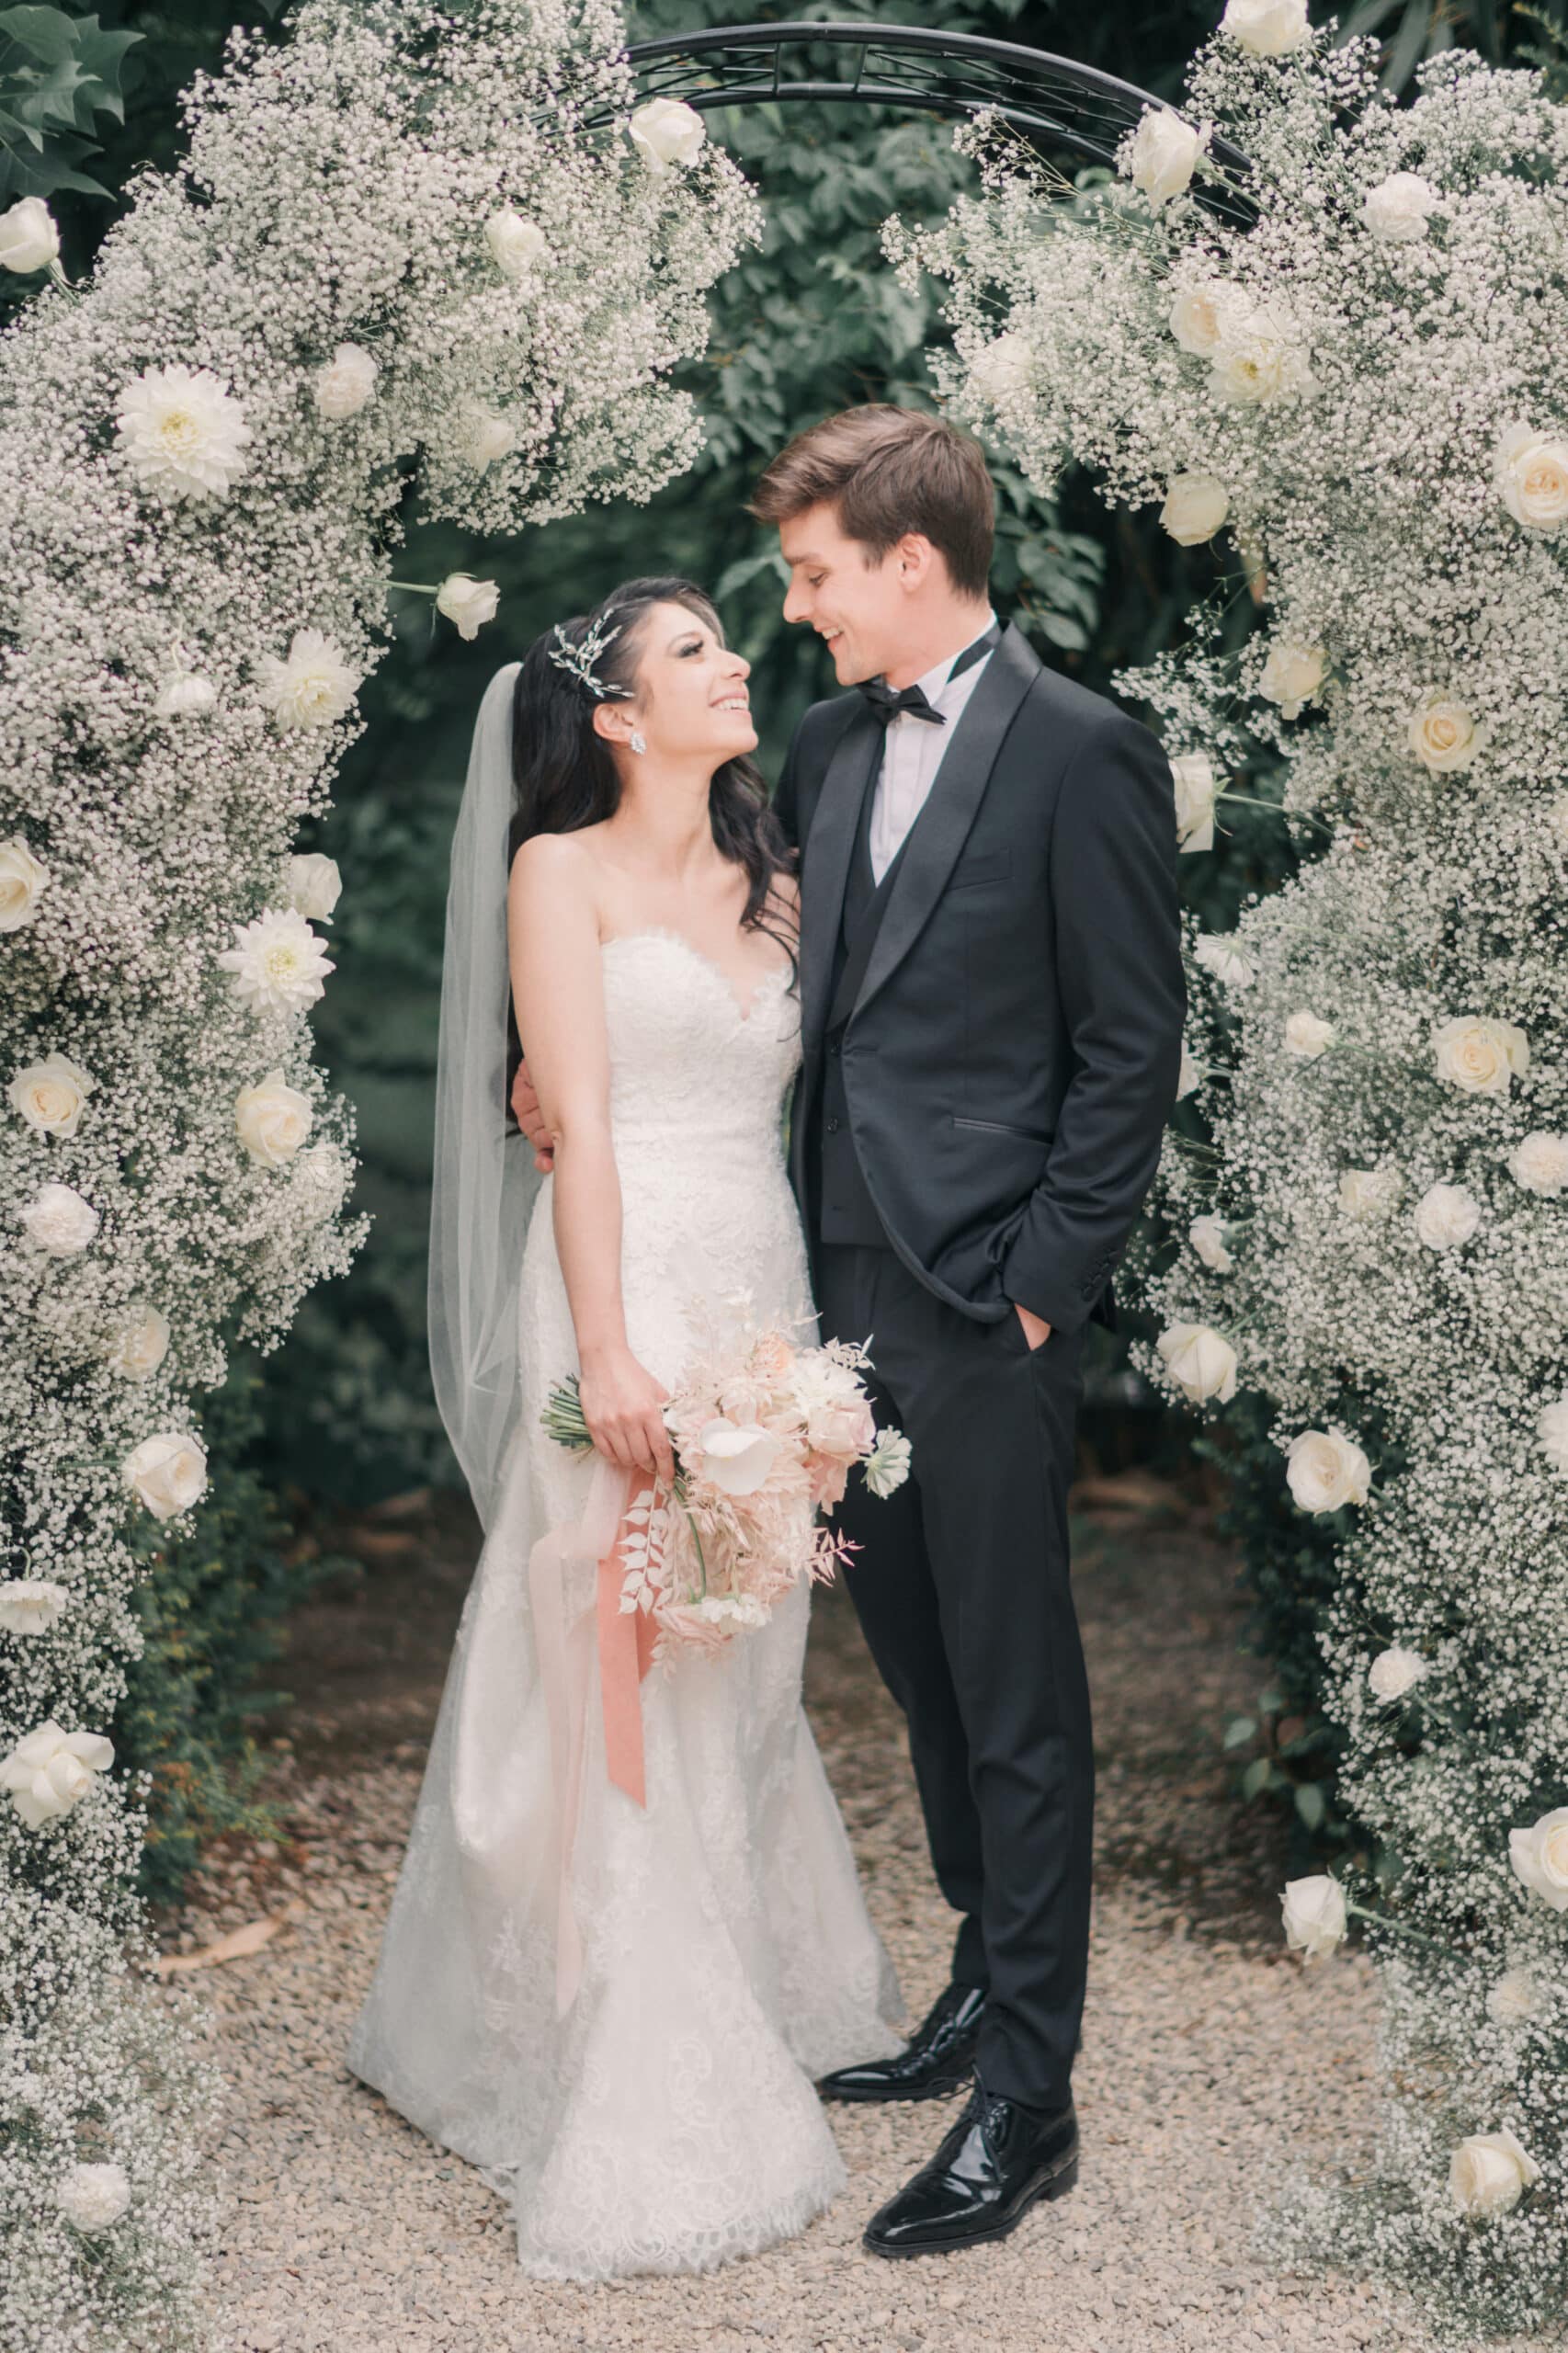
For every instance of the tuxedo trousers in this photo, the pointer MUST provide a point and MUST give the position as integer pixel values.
(961, 1585)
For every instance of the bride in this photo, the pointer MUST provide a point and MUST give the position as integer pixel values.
(654, 2112)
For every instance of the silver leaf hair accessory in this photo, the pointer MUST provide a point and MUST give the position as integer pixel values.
(580, 661)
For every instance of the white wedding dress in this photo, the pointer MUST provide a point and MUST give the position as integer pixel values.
(668, 2122)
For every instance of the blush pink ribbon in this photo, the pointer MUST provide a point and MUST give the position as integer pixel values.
(624, 1643)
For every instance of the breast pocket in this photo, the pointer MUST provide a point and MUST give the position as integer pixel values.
(990, 866)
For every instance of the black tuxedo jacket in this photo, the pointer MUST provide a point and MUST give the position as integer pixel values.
(1012, 1053)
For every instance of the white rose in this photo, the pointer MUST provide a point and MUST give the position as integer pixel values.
(23, 882)
(167, 1472)
(186, 696)
(1324, 1471)
(1552, 1430)
(313, 686)
(59, 1220)
(1479, 1055)
(515, 243)
(1163, 153)
(139, 1342)
(315, 885)
(183, 431)
(1196, 505)
(1366, 1192)
(31, 1605)
(93, 2198)
(1199, 314)
(1530, 471)
(50, 1095)
(1394, 1672)
(1307, 1036)
(1206, 1235)
(320, 1178)
(485, 437)
(1201, 1364)
(469, 603)
(1397, 209)
(1259, 357)
(1215, 952)
(277, 962)
(737, 1457)
(1514, 1999)
(1539, 1162)
(1292, 675)
(49, 1772)
(273, 1120)
(1190, 1074)
(1446, 1215)
(346, 382)
(28, 238)
(1443, 735)
(664, 132)
(1268, 27)
(1315, 1914)
(1197, 790)
(1539, 1857)
(1003, 369)
(1488, 2173)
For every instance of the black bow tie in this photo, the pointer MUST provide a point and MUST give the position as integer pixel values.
(887, 705)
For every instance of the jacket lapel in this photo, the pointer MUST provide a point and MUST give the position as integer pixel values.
(939, 831)
(824, 865)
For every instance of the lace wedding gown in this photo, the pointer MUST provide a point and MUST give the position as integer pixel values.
(668, 2122)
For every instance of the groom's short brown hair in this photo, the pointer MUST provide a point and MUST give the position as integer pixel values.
(889, 470)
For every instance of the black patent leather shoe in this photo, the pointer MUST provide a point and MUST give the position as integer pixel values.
(997, 2161)
(938, 2057)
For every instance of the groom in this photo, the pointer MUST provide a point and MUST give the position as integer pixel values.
(992, 1010)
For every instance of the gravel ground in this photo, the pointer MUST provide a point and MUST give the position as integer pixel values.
(1209, 2055)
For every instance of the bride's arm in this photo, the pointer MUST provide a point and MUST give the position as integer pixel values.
(558, 985)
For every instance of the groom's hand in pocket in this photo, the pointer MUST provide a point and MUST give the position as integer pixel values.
(1036, 1331)
(525, 1107)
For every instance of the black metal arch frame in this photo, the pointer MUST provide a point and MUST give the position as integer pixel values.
(1050, 101)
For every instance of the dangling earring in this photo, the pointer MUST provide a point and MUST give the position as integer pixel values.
(637, 742)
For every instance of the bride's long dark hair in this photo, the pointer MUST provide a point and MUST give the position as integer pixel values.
(563, 776)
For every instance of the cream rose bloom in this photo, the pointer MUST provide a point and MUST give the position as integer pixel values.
(1515, 1999)
(59, 1220)
(186, 695)
(1259, 357)
(1443, 735)
(1163, 153)
(167, 1472)
(1002, 369)
(1398, 209)
(1394, 1672)
(31, 1605)
(273, 1120)
(1479, 1055)
(1201, 1364)
(1206, 1235)
(485, 436)
(1489, 2173)
(1552, 1430)
(49, 1772)
(1539, 1162)
(1307, 1036)
(1446, 1215)
(1315, 1914)
(1199, 313)
(50, 1095)
(1367, 1192)
(139, 1342)
(313, 886)
(93, 2198)
(1268, 27)
(1215, 952)
(466, 603)
(312, 688)
(1191, 1073)
(28, 238)
(665, 133)
(516, 245)
(1292, 674)
(1539, 1857)
(347, 383)
(1324, 1471)
(1196, 505)
(23, 882)
(1530, 471)
(1197, 790)
(736, 1456)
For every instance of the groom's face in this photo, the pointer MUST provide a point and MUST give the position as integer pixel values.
(858, 609)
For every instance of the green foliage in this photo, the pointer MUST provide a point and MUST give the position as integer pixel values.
(57, 73)
(1414, 30)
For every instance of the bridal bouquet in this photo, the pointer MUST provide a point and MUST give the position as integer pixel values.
(764, 1434)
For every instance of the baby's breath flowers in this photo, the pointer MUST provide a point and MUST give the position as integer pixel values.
(1375, 1239)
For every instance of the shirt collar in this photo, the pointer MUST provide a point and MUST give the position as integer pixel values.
(934, 681)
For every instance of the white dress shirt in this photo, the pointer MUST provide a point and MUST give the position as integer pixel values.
(912, 752)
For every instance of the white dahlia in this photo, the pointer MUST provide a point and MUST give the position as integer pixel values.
(313, 688)
(183, 431)
(277, 962)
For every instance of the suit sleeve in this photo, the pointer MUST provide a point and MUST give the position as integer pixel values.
(1118, 974)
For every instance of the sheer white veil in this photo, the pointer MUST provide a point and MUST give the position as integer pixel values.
(485, 1182)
